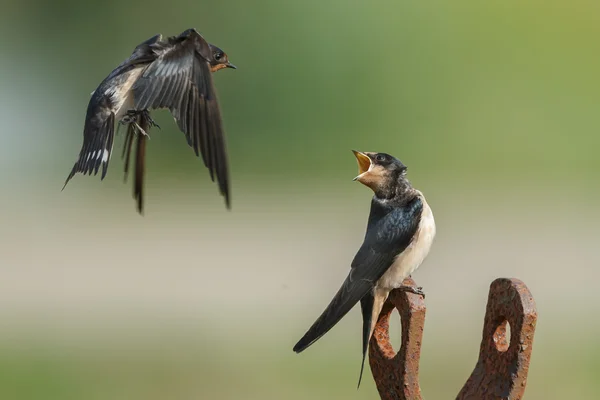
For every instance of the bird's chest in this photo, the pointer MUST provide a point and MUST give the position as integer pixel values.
(411, 258)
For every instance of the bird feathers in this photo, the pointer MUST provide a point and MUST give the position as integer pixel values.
(389, 232)
(97, 147)
(180, 80)
(174, 74)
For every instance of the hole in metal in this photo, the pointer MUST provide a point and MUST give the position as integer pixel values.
(502, 336)
(395, 331)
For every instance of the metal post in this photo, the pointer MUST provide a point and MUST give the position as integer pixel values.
(397, 374)
(501, 371)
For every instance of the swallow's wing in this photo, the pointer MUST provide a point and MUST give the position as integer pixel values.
(180, 80)
(99, 129)
(385, 239)
(143, 54)
(98, 135)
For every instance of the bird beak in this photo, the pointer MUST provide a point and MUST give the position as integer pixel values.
(230, 65)
(364, 163)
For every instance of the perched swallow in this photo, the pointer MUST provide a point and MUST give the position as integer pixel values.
(174, 74)
(399, 234)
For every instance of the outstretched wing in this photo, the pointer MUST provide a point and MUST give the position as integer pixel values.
(98, 133)
(180, 80)
(98, 138)
(384, 240)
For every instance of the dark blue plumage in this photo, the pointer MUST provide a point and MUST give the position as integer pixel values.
(176, 74)
(400, 230)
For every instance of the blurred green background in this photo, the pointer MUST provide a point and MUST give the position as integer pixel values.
(492, 105)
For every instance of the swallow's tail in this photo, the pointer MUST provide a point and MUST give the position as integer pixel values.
(140, 164)
(97, 148)
(366, 305)
(126, 155)
(348, 295)
(138, 185)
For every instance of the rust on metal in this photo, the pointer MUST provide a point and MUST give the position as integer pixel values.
(397, 374)
(501, 371)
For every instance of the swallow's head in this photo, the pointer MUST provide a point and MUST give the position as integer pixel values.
(219, 59)
(379, 171)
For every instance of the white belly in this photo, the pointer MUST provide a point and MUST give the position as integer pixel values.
(121, 95)
(410, 259)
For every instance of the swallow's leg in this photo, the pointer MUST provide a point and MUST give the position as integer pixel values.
(134, 118)
(129, 117)
(412, 289)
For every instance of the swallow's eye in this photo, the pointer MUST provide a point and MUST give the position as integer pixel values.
(380, 157)
(218, 56)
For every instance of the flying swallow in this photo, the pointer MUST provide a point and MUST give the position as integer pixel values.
(175, 74)
(400, 231)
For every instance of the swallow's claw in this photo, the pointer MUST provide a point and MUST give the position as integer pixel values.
(132, 117)
(141, 130)
(412, 289)
(152, 123)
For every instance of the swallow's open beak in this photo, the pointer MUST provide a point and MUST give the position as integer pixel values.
(364, 163)
(230, 65)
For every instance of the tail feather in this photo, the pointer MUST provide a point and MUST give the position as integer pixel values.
(366, 305)
(140, 161)
(138, 186)
(129, 137)
(348, 295)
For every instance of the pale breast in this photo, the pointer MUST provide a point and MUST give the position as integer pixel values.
(412, 257)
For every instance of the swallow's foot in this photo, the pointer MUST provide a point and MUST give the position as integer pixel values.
(132, 116)
(148, 118)
(136, 118)
(141, 130)
(412, 289)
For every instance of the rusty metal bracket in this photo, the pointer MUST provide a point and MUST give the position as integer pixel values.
(397, 374)
(500, 372)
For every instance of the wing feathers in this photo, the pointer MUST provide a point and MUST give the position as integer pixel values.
(193, 114)
(109, 146)
(180, 80)
(97, 146)
(176, 76)
(389, 232)
(347, 296)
